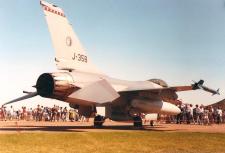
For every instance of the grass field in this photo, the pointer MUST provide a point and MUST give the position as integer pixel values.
(115, 142)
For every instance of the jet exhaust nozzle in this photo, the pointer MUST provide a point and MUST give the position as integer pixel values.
(54, 84)
(45, 85)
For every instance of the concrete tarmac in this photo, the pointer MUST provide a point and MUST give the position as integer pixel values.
(33, 126)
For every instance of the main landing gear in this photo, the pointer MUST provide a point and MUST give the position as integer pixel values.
(152, 123)
(137, 121)
(98, 121)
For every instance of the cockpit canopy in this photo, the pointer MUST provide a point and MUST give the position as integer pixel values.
(159, 82)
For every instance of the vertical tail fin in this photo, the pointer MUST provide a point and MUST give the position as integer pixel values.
(70, 54)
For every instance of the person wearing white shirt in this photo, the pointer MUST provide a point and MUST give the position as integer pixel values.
(192, 113)
(11, 112)
(219, 115)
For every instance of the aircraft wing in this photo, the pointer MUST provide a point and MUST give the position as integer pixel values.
(181, 88)
(195, 86)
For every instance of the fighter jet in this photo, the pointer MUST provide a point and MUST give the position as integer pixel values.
(81, 84)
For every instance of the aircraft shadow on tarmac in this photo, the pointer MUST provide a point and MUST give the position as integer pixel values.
(81, 128)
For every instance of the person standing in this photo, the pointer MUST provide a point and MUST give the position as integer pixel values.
(179, 115)
(219, 115)
(3, 113)
(64, 114)
(39, 112)
(54, 113)
(11, 113)
(198, 111)
(188, 113)
(192, 113)
(211, 115)
(206, 117)
(201, 116)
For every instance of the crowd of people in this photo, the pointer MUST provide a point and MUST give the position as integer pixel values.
(190, 114)
(41, 113)
(198, 114)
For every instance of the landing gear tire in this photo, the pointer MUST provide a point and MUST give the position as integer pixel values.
(137, 121)
(98, 121)
(151, 123)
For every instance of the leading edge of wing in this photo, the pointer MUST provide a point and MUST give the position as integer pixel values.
(195, 86)
(176, 89)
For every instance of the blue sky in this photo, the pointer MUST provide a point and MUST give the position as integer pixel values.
(175, 40)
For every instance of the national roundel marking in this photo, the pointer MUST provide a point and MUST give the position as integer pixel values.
(68, 41)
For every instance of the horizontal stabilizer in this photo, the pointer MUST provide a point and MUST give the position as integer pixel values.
(97, 92)
(30, 95)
